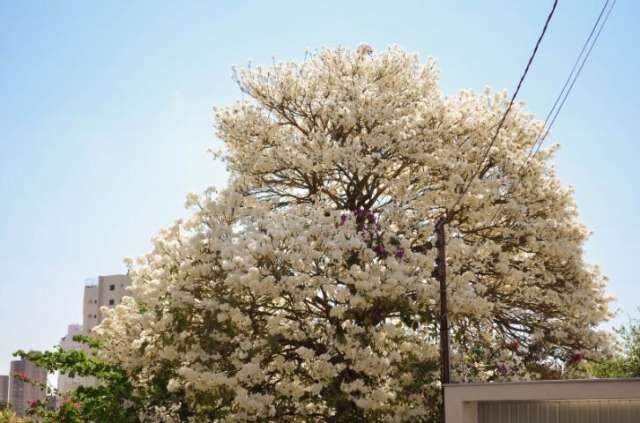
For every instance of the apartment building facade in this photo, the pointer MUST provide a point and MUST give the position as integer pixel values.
(66, 383)
(108, 292)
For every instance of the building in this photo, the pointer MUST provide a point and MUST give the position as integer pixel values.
(4, 391)
(108, 292)
(90, 307)
(21, 392)
(545, 401)
(66, 383)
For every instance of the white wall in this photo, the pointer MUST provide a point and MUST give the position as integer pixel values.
(465, 403)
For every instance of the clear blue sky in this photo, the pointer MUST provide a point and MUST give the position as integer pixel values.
(106, 116)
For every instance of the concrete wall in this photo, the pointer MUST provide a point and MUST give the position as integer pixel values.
(464, 403)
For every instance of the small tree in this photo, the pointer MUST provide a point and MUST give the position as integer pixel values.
(113, 399)
(631, 338)
(8, 416)
(627, 362)
(306, 291)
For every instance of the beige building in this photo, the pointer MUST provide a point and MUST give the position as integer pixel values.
(90, 307)
(108, 292)
(22, 393)
(552, 401)
(66, 383)
(4, 390)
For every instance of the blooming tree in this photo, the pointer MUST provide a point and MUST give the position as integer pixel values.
(306, 290)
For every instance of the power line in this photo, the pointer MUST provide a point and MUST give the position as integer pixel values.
(513, 98)
(441, 236)
(559, 103)
(563, 95)
(566, 84)
(586, 57)
(569, 83)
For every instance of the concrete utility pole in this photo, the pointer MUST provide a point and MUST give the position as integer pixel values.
(441, 262)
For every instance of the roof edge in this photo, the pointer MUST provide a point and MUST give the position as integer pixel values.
(548, 381)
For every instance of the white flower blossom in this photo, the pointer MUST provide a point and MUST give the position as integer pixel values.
(306, 289)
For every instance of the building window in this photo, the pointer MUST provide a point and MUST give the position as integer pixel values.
(112, 287)
(111, 302)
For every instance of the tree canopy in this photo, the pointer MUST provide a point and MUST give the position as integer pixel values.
(305, 291)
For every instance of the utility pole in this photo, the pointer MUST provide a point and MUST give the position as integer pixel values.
(441, 262)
